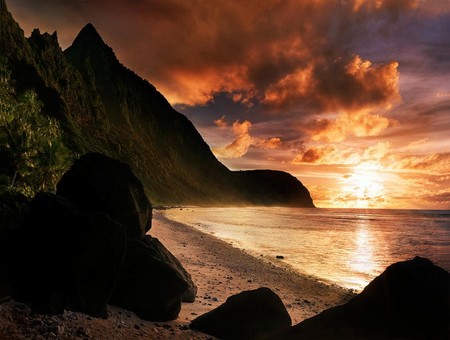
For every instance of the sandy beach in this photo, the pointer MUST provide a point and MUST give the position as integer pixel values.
(218, 269)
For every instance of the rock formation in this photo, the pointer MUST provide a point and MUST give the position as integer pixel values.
(247, 315)
(409, 300)
(96, 182)
(86, 247)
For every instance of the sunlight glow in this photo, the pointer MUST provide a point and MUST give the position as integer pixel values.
(362, 257)
(364, 188)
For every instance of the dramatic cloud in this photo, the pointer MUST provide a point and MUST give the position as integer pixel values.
(221, 122)
(238, 148)
(359, 124)
(243, 141)
(381, 155)
(283, 53)
(243, 128)
(271, 143)
(327, 154)
(351, 96)
(438, 163)
(337, 85)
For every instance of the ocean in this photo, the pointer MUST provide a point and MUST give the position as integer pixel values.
(347, 247)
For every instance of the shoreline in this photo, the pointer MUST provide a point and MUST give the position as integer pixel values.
(218, 269)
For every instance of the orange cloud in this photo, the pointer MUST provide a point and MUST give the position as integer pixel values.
(238, 148)
(437, 163)
(243, 128)
(295, 86)
(374, 156)
(221, 122)
(360, 124)
(197, 87)
(284, 53)
(271, 143)
(243, 141)
(328, 154)
(352, 84)
(394, 7)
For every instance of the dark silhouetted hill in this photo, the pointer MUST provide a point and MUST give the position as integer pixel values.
(105, 107)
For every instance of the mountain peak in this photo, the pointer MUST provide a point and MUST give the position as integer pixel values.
(88, 35)
(89, 42)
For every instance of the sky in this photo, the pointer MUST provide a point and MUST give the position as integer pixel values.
(350, 96)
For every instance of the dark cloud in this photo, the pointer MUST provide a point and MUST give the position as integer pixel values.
(192, 50)
(321, 81)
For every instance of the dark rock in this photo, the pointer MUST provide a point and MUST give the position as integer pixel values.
(280, 257)
(148, 286)
(13, 207)
(410, 300)
(42, 246)
(159, 251)
(97, 263)
(97, 182)
(64, 259)
(247, 315)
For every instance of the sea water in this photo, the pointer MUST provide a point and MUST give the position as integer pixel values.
(347, 247)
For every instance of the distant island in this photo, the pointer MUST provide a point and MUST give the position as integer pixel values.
(101, 106)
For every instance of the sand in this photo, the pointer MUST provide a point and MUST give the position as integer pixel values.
(219, 270)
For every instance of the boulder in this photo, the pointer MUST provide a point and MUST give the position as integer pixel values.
(410, 300)
(148, 286)
(97, 263)
(97, 182)
(41, 248)
(13, 207)
(65, 259)
(248, 315)
(159, 251)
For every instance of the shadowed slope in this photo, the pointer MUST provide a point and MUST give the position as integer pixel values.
(107, 108)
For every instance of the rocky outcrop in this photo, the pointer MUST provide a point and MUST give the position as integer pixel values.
(13, 208)
(103, 106)
(97, 263)
(97, 182)
(410, 300)
(148, 286)
(270, 187)
(248, 315)
(85, 247)
(63, 258)
(158, 250)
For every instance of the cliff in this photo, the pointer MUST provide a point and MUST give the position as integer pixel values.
(105, 107)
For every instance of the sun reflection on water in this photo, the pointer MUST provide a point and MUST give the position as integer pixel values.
(348, 247)
(361, 259)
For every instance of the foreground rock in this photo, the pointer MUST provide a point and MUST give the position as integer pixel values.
(247, 315)
(159, 251)
(99, 183)
(62, 258)
(13, 208)
(18, 322)
(84, 246)
(148, 286)
(410, 300)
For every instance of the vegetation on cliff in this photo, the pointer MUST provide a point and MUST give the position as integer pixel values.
(32, 154)
(96, 104)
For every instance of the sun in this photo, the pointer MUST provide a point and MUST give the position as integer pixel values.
(364, 187)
